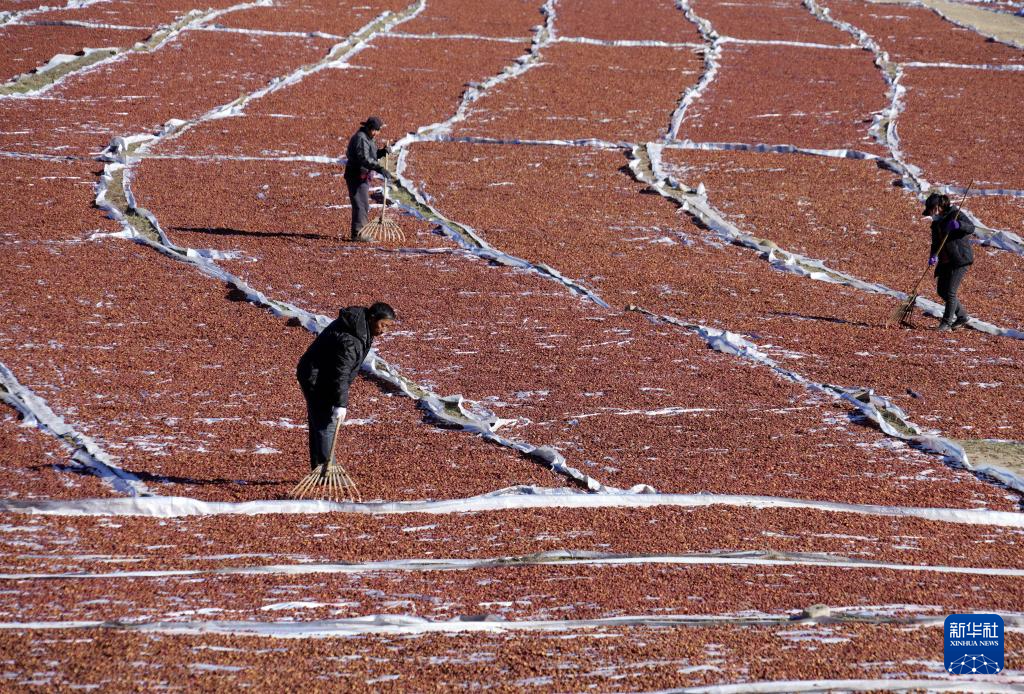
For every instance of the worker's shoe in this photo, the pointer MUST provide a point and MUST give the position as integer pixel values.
(960, 322)
(944, 327)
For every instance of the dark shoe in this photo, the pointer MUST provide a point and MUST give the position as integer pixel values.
(960, 322)
(944, 328)
(359, 239)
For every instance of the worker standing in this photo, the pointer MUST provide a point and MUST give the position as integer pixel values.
(362, 158)
(328, 368)
(951, 255)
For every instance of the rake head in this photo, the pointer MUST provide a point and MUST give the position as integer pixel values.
(382, 230)
(329, 482)
(901, 316)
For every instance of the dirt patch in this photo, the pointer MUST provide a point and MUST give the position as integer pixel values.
(1004, 454)
(999, 25)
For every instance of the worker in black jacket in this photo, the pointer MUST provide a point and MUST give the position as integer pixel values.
(328, 368)
(362, 158)
(951, 255)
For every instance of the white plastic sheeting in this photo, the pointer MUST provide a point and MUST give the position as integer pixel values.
(589, 142)
(64, 58)
(626, 43)
(488, 623)
(794, 44)
(987, 686)
(554, 558)
(773, 149)
(712, 57)
(978, 192)
(38, 157)
(456, 37)
(11, 17)
(265, 32)
(85, 451)
(513, 498)
(300, 158)
(962, 66)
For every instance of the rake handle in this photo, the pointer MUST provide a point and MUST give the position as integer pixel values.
(942, 244)
(385, 205)
(912, 296)
(920, 279)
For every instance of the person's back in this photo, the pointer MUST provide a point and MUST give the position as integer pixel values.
(329, 367)
(361, 151)
(956, 229)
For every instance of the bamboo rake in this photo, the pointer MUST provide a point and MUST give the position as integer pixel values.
(382, 229)
(330, 481)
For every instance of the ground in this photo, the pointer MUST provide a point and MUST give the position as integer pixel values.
(646, 421)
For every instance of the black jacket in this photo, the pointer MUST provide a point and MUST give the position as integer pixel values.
(362, 155)
(331, 363)
(957, 251)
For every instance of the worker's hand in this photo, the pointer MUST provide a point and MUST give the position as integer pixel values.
(338, 413)
(953, 225)
(931, 261)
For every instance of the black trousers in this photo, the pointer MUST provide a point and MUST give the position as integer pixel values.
(359, 196)
(323, 428)
(947, 281)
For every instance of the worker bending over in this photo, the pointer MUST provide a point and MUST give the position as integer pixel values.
(328, 368)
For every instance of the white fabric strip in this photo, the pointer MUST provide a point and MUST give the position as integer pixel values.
(86, 452)
(557, 558)
(417, 626)
(514, 498)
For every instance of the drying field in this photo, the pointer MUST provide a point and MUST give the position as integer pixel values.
(643, 425)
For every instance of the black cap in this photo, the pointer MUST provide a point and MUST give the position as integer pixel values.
(934, 201)
(373, 123)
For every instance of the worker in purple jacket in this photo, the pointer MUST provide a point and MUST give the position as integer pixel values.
(951, 255)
